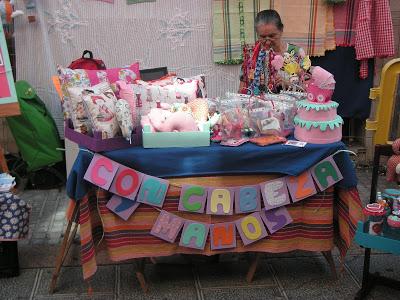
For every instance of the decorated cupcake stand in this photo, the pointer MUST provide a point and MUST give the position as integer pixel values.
(255, 188)
(385, 243)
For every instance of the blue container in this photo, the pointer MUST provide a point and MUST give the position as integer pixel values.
(391, 232)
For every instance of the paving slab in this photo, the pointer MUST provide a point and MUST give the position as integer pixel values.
(166, 282)
(310, 278)
(386, 264)
(240, 293)
(18, 287)
(71, 283)
(229, 275)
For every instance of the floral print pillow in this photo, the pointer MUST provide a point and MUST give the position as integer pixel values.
(85, 78)
(77, 112)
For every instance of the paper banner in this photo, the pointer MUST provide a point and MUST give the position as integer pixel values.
(101, 171)
(123, 207)
(167, 226)
(326, 173)
(301, 187)
(247, 199)
(126, 182)
(275, 193)
(194, 235)
(223, 236)
(220, 201)
(276, 219)
(251, 228)
(153, 191)
(193, 199)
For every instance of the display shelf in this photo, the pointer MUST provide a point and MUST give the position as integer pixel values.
(377, 242)
(369, 242)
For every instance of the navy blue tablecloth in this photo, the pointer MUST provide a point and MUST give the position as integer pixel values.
(216, 160)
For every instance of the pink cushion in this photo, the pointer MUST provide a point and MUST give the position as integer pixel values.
(129, 75)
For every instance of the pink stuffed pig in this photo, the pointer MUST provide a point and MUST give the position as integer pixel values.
(162, 120)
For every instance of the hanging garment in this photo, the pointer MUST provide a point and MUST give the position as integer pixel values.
(374, 34)
(308, 24)
(345, 16)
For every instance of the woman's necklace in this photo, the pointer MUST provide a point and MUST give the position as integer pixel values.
(259, 70)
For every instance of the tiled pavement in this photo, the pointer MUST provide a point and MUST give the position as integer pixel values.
(297, 275)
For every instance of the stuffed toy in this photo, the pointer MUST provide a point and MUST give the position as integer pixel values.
(393, 164)
(321, 86)
(163, 120)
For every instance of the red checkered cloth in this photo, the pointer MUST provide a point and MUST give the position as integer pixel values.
(345, 16)
(374, 33)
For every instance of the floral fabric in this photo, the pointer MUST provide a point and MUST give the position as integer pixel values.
(14, 217)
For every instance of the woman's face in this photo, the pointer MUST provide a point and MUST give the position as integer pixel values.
(269, 35)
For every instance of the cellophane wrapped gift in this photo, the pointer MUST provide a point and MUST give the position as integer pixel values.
(252, 116)
(284, 107)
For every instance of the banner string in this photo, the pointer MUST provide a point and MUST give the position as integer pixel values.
(181, 186)
(86, 150)
(348, 151)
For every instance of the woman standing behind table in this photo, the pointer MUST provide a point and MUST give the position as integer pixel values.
(271, 64)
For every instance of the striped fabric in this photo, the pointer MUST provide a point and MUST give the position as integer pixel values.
(345, 16)
(307, 24)
(318, 223)
(230, 19)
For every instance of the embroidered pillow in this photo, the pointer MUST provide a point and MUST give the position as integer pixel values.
(100, 108)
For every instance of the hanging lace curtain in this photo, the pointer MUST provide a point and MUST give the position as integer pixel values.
(172, 33)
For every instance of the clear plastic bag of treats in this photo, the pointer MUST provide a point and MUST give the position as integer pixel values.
(284, 107)
(266, 121)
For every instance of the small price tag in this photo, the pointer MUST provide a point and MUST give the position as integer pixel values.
(296, 143)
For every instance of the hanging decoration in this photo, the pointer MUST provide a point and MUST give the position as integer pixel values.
(131, 188)
(64, 20)
(177, 28)
(7, 14)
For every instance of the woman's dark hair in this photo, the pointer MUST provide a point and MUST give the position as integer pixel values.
(269, 16)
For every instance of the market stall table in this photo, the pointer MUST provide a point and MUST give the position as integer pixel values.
(319, 222)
